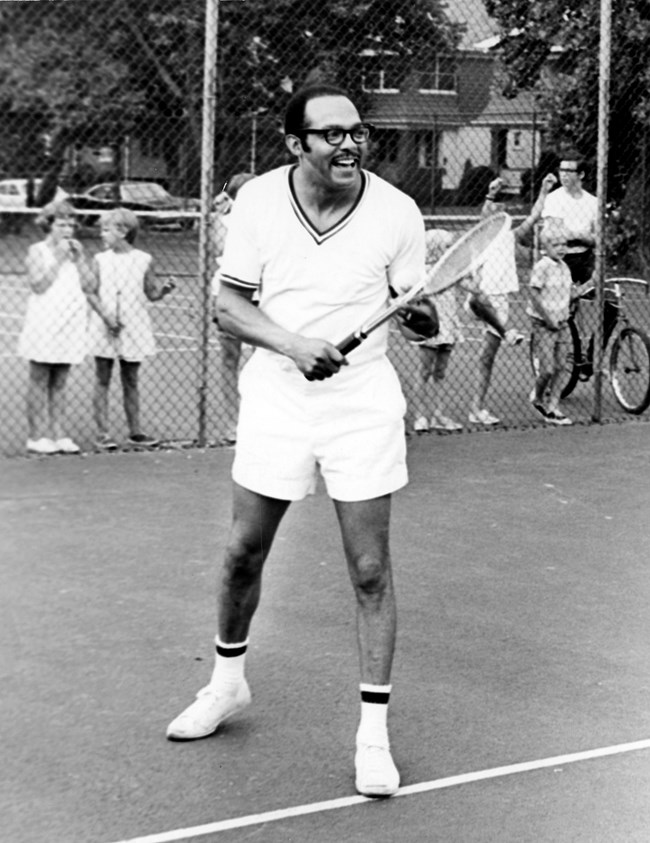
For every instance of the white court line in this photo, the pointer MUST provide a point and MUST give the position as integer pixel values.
(423, 787)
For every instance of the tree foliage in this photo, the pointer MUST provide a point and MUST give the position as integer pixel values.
(553, 48)
(50, 80)
(94, 72)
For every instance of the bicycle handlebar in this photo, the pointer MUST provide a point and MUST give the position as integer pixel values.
(626, 280)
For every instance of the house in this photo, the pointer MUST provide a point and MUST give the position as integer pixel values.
(449, 128)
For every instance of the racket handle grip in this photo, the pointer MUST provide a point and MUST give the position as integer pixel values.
(351, 342)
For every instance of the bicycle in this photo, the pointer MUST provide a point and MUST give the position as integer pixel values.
(628, 370)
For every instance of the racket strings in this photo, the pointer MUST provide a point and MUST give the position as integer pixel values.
(467, 254)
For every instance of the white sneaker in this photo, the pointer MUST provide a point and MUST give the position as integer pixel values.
(444, 423)
(376, 773)
(514, 337)
(421, 425)
(41, 446)
(482, 417)
(556, 417)
(66, 446)
(105, 443)
(207, 712)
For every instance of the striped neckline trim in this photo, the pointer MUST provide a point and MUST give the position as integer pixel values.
(321, 236)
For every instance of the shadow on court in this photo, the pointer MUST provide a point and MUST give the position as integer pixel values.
(521, 565)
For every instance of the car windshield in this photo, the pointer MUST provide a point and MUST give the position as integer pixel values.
(145, 192)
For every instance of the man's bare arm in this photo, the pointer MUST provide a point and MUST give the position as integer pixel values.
(317, 359)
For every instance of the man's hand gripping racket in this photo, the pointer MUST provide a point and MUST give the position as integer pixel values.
(464, 257)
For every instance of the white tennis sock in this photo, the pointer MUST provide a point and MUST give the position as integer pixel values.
(373, 726)
(229, 662)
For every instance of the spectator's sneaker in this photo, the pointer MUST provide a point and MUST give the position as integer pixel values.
(143, 440)
(556, 417)
(444, 423)
(105, 443)
(66, 446)
(207, 712)
(514, 337)
(421, 425)
(482, 417)
(376, 773)
(41, 446)
(539, 408)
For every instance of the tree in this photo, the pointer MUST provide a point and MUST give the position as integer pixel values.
(87, 72)
(94, 73)
(268, 48)
(566, 79)
(55, 74)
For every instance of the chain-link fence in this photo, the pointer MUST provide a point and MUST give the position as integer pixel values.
(104, 105)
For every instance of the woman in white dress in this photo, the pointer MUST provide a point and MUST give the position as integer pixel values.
(53, 337)
(120, 326)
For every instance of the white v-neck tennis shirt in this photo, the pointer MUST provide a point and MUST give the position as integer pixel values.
(323, 284)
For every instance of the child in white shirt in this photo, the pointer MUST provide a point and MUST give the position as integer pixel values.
(551, 291)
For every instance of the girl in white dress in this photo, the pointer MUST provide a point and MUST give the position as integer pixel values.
(53, 337)
(120, 326)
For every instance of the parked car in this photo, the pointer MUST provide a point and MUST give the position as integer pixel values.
(13, 198)
(138, 196)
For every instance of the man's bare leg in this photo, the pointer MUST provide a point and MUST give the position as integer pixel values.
(255, 521)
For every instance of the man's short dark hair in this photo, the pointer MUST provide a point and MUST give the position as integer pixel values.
(574, 155)
(294, 118)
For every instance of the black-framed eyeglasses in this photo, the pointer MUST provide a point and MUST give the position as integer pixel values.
(567, 170)
(335, 135)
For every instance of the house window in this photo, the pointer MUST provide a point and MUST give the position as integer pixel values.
(500, 148)
(438, 75)
(152, 146)
(425, 142)
(379, 72)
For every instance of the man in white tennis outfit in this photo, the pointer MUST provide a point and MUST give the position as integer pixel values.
(319, 243)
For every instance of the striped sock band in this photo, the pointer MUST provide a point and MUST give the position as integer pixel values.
(229, 664)
(373, 725)
(378, 694)
(230, 651)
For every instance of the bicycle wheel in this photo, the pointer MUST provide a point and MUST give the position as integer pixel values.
(570, 374)
(630, 370)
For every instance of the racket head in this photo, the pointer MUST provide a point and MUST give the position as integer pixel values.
(467, 254)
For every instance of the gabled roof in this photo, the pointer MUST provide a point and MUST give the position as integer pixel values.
(411, 110)
(479, 25)
(519, 110)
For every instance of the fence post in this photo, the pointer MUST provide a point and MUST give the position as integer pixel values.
(601, 192)
(207, 195)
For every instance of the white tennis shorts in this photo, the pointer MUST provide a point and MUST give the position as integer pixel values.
(349, 427)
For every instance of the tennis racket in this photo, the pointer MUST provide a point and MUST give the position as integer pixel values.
(462, 258)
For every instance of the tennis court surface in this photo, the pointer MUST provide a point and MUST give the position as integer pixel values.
(521, 701)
